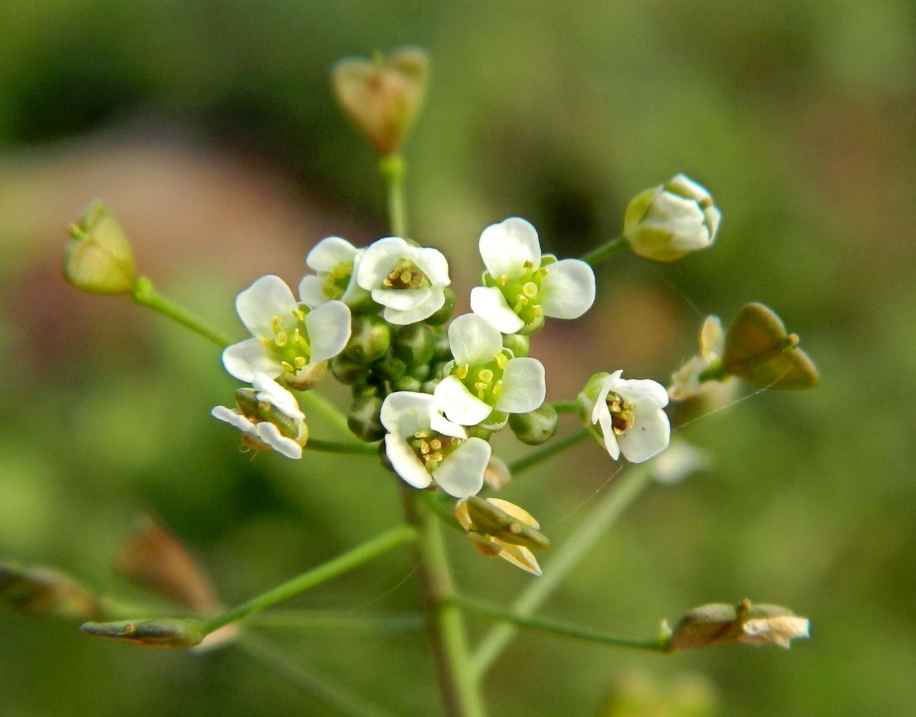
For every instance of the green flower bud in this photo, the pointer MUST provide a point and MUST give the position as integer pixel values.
(517, 344)
(165, 632)
(363, 418)
(421, 372)
(442, 351)
(348, 371)
(407, 383)
(446, 311)
(369, 340)
(758, 349)
(389, 367)
(44, 592)
(535, 427)
(413, 344)
(381, 96)
(308, 377)
(98, 258)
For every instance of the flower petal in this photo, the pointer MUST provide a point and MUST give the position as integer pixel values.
(271, 435)
(233, 418)
(408, 412)
(248, 358)
(405, 461)
(489, 302)
(329, 252)
(461, 474)
(506, 247)
(432, 300)
(648, 436)
(473, 339)
(569, 289)
(311, 291)
(524, 386)
(458, 404)
(329, 329)
(277, 396)
(379, 260)
(642, 390)
(433, 263)
(266, 298)
(611, 444)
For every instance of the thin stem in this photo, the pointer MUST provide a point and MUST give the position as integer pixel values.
(308, 680)
(448, 637)
(145, 295)
(656, 644)
(532, 459)
(606, 251)
(565, 406)
(348, 623)
(362, 449)
(609, 508)
(359, 555)
(314, 403)
(392, 168)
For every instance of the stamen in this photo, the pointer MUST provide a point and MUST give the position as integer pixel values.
(462, 371)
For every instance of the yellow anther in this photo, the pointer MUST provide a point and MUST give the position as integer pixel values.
(501, 360)
(462, 371)
(300, 362)
(287, 367)
(405, 276)
(342, 270)
(424, 447)
(435, 444)
(298, 314)
(481, 386)
(497, 388)
(502, 280)
(435, 457)
(275, 324)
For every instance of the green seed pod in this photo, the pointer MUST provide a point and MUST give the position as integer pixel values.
(535, 427)
(413, 344)
(44, 592)
(98, 258)
(363, 418)
(489, 519)
(149, 633)
(444, 313)
(517, 344)
(369, 340)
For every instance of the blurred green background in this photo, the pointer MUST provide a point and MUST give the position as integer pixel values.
(210, 130)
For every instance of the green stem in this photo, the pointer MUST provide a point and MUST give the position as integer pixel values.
(656, 644)
(341, 623)
(532, 459)
(146, 295)
(573, 551)
(392, 168)
(448, 637)
(606, 251)
(363, 449)
(565, 406)
(359, 555)
(314, 403)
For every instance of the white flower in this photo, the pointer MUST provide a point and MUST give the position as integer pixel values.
(668, 221)
(289, 338)
(511, 551)
(485, 377)
(407, 280)
(626, 415)
(268, 416)
(522, 286)
(423, 446)
(778, 629)
(685, 382)
(335, 262)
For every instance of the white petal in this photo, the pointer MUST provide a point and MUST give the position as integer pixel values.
(234, 418)
(277, 396)
(607, 431)
(642, 390)
(607, 385)
(329, 252)
(441, 424)
(489, 302)
(248, 358)
(458, 404)
(569, 289)
(433, 300)
(379, 261)
(473, 339)
(407, 412)
(524, 386)
(311, 291)
(405, 461)
(329, 329)
(506, 247)
(461, 474)
(433, 263)
(267, 297)
(271, 435)
(647, 437)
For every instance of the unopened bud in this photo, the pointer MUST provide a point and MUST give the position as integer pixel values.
(671, 220)
(308, 377)
(445, 311)
(413, 344)
(98, 257)
(369, 340)
(389, 367)
(166, 632)
(363, 418)
(759, 350)
(381, 96)
(517, 344)
(44, 592)
(535, 427)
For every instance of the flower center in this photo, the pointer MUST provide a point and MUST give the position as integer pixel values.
(432, 448)
(406, 275)
(289, 341)
(522, 292)
(337, 280)
(622, 416)
(484, 380)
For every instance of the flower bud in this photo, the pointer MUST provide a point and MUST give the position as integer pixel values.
(535, 427)
(44, 592)
(348, 371)
(98, 258)
(517, 344)
(445, 311)
(413, 344)
(407, 383)
(721, 624)
(442, 349)
(671, 220)
(369, 340)
(389, 367)
(305, 379)
(758, 349)
(166, 632)
(363, 418)
(381, 96)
